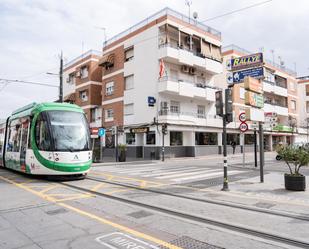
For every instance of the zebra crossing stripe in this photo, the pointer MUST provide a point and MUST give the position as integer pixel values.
(163, 172)
(206, 176)
(187, 174)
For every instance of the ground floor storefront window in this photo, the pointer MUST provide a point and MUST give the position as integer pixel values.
(151, 137)
(206, 138)
(232, 137)
(249, 139)
(176, 138)
(130, 138)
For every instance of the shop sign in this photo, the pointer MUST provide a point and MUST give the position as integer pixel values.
(284, 128)
(254, 99)
(239, 76)
(252, 60)
(252, 84)
(140, 130)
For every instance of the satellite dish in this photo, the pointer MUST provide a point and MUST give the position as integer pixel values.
(195, 15)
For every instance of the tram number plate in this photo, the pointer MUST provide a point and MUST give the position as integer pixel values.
(121, 240)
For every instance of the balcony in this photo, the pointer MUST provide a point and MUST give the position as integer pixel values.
(188, 118)
(176, 54)
(186, 89)
(280, 110)
(272, 87)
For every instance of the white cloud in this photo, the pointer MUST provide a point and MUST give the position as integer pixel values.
(34, 32)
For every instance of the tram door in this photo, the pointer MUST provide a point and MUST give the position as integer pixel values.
(24, 144)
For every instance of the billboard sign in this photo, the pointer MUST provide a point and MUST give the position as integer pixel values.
(252, 60)
(239, 76)
(254, 99)
(252, 84)
(139, 130)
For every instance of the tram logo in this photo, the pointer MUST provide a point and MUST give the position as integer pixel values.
(76, 157)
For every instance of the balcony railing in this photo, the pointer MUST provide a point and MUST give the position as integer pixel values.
(163, 12)
(191, 114)
(195, 84)
(194, 52)
(274, 83)
(275, 104)
(84, 55)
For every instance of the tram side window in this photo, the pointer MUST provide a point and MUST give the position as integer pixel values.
(14, 138)
(42, 136)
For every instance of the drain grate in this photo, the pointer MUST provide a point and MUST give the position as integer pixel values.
(189, 243)
(140, 214)
(57, 211)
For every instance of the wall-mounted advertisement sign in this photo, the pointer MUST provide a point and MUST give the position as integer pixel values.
(252, 60)
(140, 130)
(238, 77)
(253, 85)
(254, 99)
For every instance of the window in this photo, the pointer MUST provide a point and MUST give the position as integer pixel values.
(129, 82)
(307, 106)
(151, 137)
(293, 104)
(175, 138)
(175, 107)
(129, 54)
(249, 138)
(130, 138)
(109, 88)
(232, 137)
(93, 114)
(128, 109)
(14, 136)
(242, 93)
(206, 138)
(42, 135)
(70, 79)
(83, 96)
(109, 115)
(307, 90)
(84, 72)
(201, 111)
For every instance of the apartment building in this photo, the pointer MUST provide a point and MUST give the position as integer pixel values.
(303, 89)
(83, 85)
(281, 101)
(134, 95)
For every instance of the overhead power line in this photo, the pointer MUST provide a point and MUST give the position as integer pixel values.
(8, 81)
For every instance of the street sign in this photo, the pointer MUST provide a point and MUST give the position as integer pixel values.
(254, 99)
(101, 132)
(242, 117)
(239, 76)
(243, 127)
(252, 60)
(255, 114)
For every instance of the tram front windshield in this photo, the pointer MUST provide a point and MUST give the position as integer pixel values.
(69, 131)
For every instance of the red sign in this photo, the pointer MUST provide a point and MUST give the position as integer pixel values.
(243, 127)
(94, 131)
(242, 117)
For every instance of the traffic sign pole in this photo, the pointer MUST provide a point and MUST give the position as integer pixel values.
(225, 180)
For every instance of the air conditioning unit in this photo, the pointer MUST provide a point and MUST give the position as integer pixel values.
(68, 80)
(185, 69)
(78, 74)
(192, 70)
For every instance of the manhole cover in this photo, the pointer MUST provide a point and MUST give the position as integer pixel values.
(189, 243)
(57, 211)
(140, 214)
(264, 205)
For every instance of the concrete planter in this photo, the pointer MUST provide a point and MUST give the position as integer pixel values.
(296, 183)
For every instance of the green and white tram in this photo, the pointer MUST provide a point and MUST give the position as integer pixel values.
(46, 139)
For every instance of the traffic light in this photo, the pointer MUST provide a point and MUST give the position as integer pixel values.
(228, 105)
(164, 128)
(219, 103)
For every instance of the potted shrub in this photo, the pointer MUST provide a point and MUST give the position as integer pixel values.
(295, 158)
(122, 152)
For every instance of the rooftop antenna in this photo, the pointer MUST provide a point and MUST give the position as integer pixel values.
(188, 3)
(195, 16)
(273, 53)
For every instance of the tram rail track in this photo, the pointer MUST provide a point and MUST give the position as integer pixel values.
(208, 201)
(197, 218)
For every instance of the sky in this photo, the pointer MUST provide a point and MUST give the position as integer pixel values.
(33, 34)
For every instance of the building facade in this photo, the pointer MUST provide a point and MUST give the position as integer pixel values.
(164, 72)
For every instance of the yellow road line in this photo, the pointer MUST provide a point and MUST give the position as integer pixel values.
(95, 217)
(48, 189)
(74, 198)
(100, 185)
(116, 191)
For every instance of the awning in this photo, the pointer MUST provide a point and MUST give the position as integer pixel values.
(107, 60)
(70, 98)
